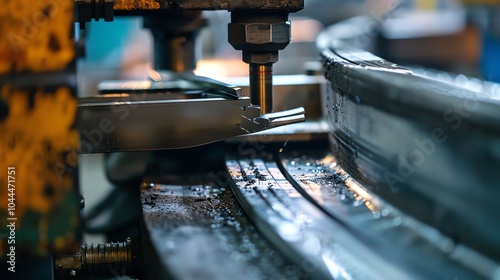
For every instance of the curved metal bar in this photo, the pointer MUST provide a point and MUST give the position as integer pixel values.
(400, 239)
(193, 228)
(324, 247)
(430, 148)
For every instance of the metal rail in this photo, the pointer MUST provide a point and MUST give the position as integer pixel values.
(398, 237)
(322, 246)
(309, 207)
(194, 228)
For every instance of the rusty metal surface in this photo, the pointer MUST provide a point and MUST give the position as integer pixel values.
(36, 37)
(102, 260)
(127, 5)
(287, 5)
(37, 124)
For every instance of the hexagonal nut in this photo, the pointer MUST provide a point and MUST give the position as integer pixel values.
(259, 36)
(260, 57)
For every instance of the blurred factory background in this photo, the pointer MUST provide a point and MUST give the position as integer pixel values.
(458, 36)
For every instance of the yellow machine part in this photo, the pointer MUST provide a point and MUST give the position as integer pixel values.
(36, 35)
(136, 5)
(37, 126)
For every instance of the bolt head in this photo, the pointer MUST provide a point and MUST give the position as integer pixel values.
(259, 36)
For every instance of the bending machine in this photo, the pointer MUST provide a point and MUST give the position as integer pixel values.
(391, 176)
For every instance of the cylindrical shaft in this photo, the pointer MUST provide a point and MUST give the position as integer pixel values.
(261, 86)
(174, 35)
(175, 52)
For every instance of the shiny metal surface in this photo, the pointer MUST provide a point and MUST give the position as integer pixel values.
(297, 227)
(131, 124)
(291, 91)
(170, 83)
(169, 111)
(309, 206)
(260, 35)
(428, 147)
(195, 229)
(261, 87)
(293, 212)
(400, 239)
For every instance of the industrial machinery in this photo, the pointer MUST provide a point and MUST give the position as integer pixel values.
(361, 169)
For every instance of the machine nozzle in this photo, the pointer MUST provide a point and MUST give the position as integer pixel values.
(260, 35)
